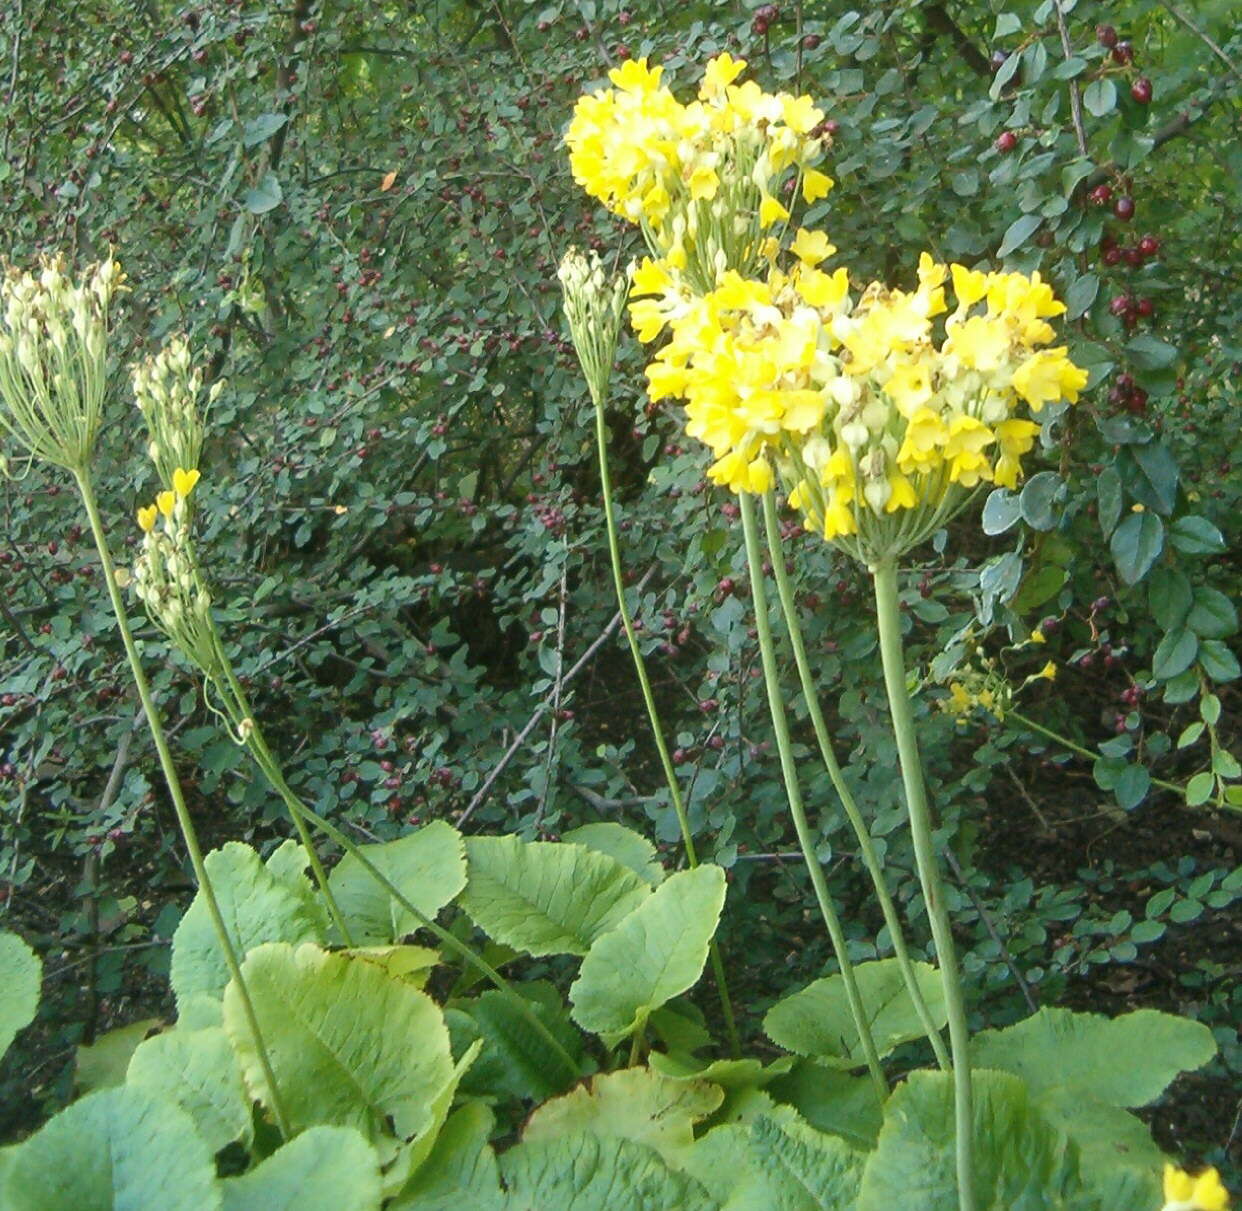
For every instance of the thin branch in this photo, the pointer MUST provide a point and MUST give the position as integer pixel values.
(1075, 93)
(1181, 17)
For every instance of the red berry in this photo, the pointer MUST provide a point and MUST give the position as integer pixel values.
(1112, 256)
(1146, 308)
(1119, 304)
(997, 60)
(811, 41)
(624, 17)
(1149, 245)
(1140, 90)
(1123, 208)
(1006, 141)
(1101, 195)
(1123, 53)
(1132, 256)
(1106, 35)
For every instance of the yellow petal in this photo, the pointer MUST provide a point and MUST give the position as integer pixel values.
(184, 481)
(166, 502)
(771, 211)
(146, 518)
(815, 184)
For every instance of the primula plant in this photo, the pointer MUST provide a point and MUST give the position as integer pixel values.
(453, 1019)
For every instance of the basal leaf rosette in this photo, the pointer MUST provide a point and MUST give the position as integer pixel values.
(880, 418)
(703, 180)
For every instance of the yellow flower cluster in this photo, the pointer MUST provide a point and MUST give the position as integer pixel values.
(703, 179)
(862, 404)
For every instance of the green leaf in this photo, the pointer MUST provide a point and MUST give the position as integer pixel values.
(546, 897)
(257, 907)
(1001, 511)
(816, 1021)
(323, 1169)
(1218, 662)
(1149, 352)
(1080, 295)
(805, 1169)
(348, 1045)
(460, 1171)
(1109, 497)
(1099, 97)
(653, 955)
(624, 844)
(103, 1063)
(1020, 230)
(1169, 598)
(265, 196)
(198, 1071)
(1194, 535)
(1135, 544)
(113, 1149)
(1021, 1162)
(1174, 653)
(1155, 475)
(1199, 789)
(1056, 1049)
(577, 1172)
(632, 1104)
(261, 128)
(1213, 615)
(428, 867)
(21, 977)
(1038, 494)
(514, 1059)
(833, 1101)
(1132, 786)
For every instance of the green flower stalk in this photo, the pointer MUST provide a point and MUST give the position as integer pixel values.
(167, 388)
(865, 844)
(797, 810)
(53, 385)
(594, 307)
(888, 621)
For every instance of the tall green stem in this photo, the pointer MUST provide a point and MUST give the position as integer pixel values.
(866, 845)
(888, 619)
(256, 742)
(653, 714)
(188, 832)
(454, 943)
(789, 771)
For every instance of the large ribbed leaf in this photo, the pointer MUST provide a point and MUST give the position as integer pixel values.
(547, 898)
(323, 1169)
(653, 955)
(584, 1173)
(804, 1169)
(816, 1021)
(460, 1173)
(21, 974)
(257, 906)
(1056, 1049)
(428, 868)
(115, 1149)
(198, 1071)
(628, 847)
(634, 1104)
(349, 1045)
(1021, 1162)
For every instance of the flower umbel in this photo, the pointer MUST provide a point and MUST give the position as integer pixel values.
(54, 358)
(167, 389)
(594, 305)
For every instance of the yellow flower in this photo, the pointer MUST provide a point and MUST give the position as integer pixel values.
(771, 211)
(821, 289)
(811, 247)
(815, 184)
(166, 502)
(146, 518)
(636, 77)
(719, 74)
(969, 285)
(703, 183)
(1047, 376)
(184, 481)
(1037, 636)
(1185, 1193)
(1049, 671)
(909, 386)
